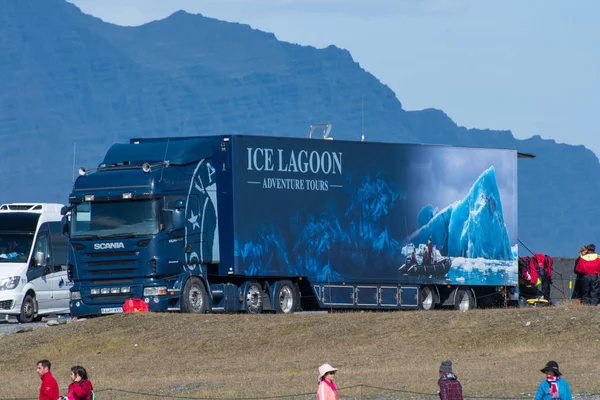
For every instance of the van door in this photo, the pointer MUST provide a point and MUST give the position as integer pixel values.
(38, 272)
(61, 284)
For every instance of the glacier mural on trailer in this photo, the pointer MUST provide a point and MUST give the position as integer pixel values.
(467, 240)
(358, 212)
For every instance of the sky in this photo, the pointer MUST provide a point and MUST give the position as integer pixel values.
(532, 67)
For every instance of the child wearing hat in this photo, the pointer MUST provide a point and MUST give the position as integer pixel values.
(327, 389)
(553, 387)
(450, 387)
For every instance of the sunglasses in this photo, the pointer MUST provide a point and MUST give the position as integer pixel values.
(331, 373)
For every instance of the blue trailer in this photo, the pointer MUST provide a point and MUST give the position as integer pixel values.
(251, 223)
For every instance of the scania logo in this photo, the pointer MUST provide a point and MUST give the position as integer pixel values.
(105, 246)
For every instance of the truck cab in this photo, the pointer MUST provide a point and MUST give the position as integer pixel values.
(126, 227)
(33, 262)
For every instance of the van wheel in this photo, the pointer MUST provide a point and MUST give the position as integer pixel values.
(27, 314)
(194, 299)
(286, 298)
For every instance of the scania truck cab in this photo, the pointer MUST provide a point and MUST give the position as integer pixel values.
(126, 225)
(33, 262)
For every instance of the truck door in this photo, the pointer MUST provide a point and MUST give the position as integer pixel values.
(38, 272)
(172, 246)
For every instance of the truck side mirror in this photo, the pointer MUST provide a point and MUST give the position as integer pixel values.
(178, 218)
(65, 225)
(178, 215)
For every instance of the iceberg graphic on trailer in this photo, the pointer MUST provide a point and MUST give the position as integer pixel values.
(472, 232)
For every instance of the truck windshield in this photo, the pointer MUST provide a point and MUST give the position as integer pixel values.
(15, 247)
(114, 219)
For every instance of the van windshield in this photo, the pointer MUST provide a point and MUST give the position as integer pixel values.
(15, 247)
(115, 219)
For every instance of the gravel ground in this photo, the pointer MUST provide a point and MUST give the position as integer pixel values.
(8, 328)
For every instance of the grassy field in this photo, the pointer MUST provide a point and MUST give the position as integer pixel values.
(495, 352)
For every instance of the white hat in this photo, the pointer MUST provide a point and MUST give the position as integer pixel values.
(324, 369)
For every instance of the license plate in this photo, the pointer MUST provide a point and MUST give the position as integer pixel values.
(113, 310)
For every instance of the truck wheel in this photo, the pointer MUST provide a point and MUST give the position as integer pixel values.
(27, 310)
(195, 297)
(286, 299)
(463, 300)
(428, 299)
(254, 298)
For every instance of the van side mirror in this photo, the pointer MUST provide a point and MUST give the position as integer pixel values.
(40, 259)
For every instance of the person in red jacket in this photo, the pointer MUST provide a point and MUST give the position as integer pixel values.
(49, 388)
(81, 388)
(589, 266)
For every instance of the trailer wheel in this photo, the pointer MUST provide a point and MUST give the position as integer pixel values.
(27, 310)
(428, 298)
(195, 298)
(286, 299)
(463, 300)
(254, 298)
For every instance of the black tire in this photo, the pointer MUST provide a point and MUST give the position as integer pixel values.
(194, 299)
(286, 298)
(27, 314)
(427, 299)
(254, 298)
(464, 300)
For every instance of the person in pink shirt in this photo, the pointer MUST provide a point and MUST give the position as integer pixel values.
(327, 389)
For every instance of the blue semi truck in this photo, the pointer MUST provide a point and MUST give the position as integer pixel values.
(254, 224)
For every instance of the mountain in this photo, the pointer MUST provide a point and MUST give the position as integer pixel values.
(71, 85)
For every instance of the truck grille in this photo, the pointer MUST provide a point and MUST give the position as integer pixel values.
(112, 281)
(107, 263)
(6, 304)
(111, 264)
(106, 254)
(112, 272)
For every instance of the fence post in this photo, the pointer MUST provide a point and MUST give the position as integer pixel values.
(110, 394)
(505, 290)
(361, 391)
(571, 287)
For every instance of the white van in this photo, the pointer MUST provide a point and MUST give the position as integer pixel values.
(33, 262)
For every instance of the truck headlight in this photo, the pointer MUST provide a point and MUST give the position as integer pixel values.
(10, 283)
(76, 295)
(155, 291)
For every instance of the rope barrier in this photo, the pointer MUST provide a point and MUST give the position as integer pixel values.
(307, 394)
